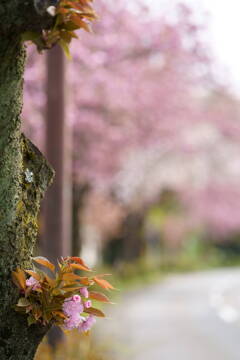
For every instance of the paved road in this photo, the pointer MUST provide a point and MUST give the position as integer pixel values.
(186, 317)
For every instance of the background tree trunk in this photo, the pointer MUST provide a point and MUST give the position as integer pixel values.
(58, 203)
(133, 236)
(129, 244)
(19, 201)
(79, 193)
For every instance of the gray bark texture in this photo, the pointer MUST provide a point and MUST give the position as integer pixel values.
(19, 198)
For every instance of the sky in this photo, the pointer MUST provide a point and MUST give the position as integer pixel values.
(223, 20)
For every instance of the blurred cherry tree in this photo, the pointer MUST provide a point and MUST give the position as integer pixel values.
(146, 115)
(145, 75)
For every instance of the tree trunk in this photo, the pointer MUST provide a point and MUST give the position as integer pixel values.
(19, 196)
(133, 237)
(58, 204)
(129, 244)
(79, 193)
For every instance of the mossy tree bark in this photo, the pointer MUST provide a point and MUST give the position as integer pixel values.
(19, 198)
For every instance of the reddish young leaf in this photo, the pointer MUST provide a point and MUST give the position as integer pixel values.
(77, 20)
(44, 262)
(37, 313)
(95, 312)
(35, 275)
(71, 277)
(71, 287)
(79, 267)
(79, 261)
(50, 281)
(85, 281)
(98, 296)
(19, 278)
(63, 11)
(60, 314)
(38, 290)
(103, 283)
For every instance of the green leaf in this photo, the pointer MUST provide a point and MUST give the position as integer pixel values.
(36, 38)
(66, 36)
(23, 302)
(70, 26)
(31, 320)
(30, 36)
(65, 48)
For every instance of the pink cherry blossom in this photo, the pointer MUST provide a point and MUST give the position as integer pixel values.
(84, 292)
(73, 322)
(72, 307)
(76, 298)
(87, 304)
(87, 323)
(33, 282)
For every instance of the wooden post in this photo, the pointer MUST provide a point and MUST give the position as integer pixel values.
(58, 204)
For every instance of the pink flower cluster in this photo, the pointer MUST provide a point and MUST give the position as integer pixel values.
(33, 282)
(73, 307)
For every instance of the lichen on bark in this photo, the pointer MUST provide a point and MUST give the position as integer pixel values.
(19, 198)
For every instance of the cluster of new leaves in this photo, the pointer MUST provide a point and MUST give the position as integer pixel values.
(43, 294)
(70, 15)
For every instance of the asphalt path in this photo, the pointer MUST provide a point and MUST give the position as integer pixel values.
(185, 317)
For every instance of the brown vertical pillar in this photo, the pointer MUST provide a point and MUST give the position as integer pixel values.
(58, 205)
